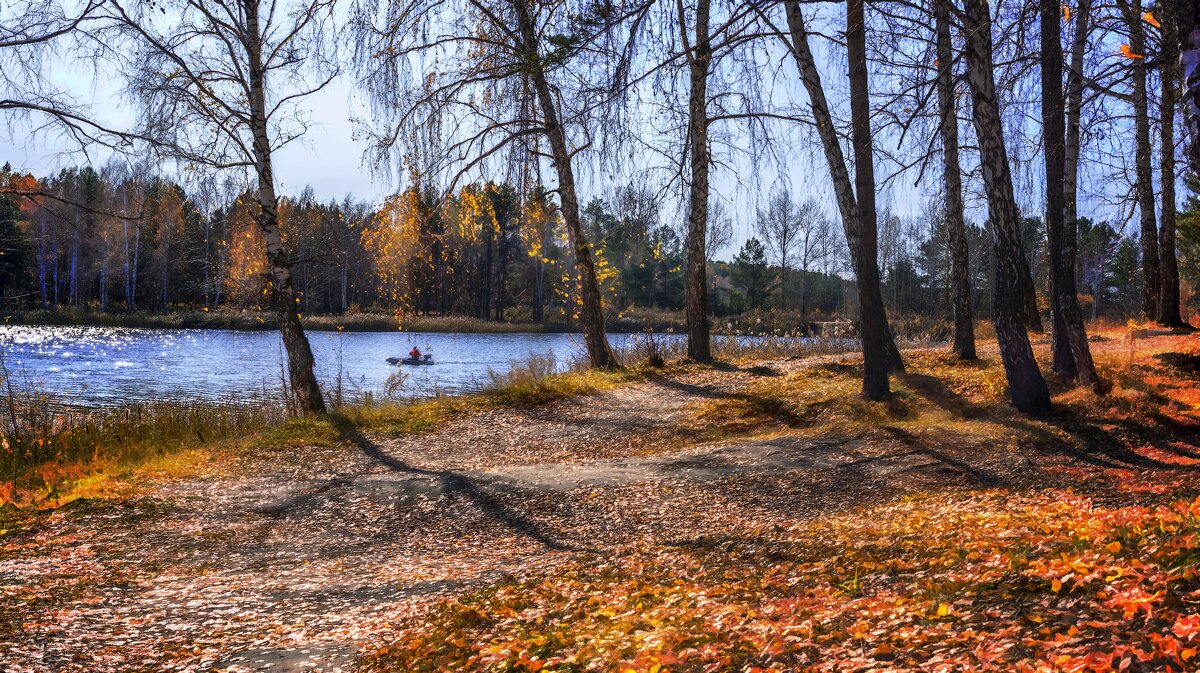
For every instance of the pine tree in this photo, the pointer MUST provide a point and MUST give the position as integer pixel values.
(751, 273)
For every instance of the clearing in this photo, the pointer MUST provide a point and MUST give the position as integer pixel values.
(308, 559)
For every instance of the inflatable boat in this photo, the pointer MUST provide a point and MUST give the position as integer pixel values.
(425, 359)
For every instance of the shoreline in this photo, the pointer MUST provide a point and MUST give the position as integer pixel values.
(259, 321)
(628, 322)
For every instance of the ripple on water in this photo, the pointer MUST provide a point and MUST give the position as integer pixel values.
(113, 365)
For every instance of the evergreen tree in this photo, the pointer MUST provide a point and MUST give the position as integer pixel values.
(751, 274)
(14, 250)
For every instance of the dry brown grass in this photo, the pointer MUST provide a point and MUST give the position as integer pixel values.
(1158, 380)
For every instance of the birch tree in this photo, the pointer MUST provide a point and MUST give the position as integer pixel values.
(960, 279)
(879, 348)
(219, 86)
(1026, 386)
(1168, 71)
(1131, 13)
(496, 80)
(1072, 355)
(1189, 49)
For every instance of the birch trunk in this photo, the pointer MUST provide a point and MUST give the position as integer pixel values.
(873, 321)
(1168, 307)
(699, 62)
(1143, 168)
(591, 315)
(299, 354)
(1072, 354)
(1027, 388)
(1189, 47)
(1033, 318)
(1071, 145)
(960, 270)
(864, 174)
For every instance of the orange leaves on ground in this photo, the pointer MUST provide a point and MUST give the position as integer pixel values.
(994, 581)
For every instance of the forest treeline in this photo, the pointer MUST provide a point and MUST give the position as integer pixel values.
(1044, 114)
(115, 240)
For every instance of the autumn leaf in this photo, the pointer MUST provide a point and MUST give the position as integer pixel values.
(1127, 52)
(1148, 17)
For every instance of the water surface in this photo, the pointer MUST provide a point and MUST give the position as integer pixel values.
(104, 366)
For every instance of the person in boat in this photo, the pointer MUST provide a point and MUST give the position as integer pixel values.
(415, 354)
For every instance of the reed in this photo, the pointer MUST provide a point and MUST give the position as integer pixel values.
(44, 447)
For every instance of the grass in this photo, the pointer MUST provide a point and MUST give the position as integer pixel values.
(46, 460)
(49, 456)
(46, 453)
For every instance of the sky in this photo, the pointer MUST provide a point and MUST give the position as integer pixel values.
(330, 159)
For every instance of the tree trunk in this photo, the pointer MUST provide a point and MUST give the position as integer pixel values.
(165, 271)
(538, 300)
(1071, 145)
(485, 307)
(1072, 355)
(699, 60)
(299, 354)
(1033, 318)
(43, 254)
(960, 278)
(503, 249)
(1189, 47)
(591, 314)
(1143, 169)
(1168, 308)
(864, 166)
(133, 278)
(875, 333)
(1054, 147)
(783, 278)
(1026, 386)
(804, 290)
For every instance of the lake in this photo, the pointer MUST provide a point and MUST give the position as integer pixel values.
(106, 366)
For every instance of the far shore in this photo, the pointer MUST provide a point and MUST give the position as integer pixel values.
(658, 321)
(252, 320)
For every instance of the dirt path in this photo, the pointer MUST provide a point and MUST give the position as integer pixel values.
(301, 561)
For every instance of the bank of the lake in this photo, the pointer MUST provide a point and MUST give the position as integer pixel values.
(624, 320)
(260, 321)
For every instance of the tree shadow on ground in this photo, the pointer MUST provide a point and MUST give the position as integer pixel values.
(453, 485)
(1106, 443)
(1186, 363)
(766, 405)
